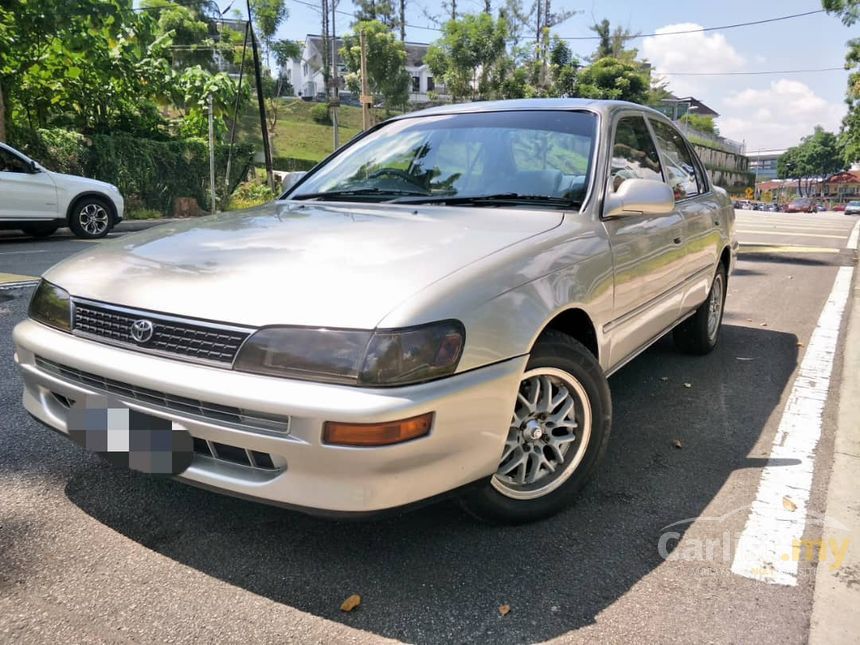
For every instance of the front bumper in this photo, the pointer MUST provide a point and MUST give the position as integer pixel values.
(472, 416)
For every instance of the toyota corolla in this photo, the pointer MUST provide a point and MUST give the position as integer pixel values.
(432, 310)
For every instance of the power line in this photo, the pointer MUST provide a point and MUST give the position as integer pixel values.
(696, 31)
(774, 71)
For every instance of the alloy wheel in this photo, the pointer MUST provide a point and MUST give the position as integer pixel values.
(94, 219)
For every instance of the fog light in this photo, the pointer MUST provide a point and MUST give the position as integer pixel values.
(377, 434)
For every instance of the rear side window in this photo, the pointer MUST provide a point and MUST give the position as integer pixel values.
(680, 168)
(634, 155)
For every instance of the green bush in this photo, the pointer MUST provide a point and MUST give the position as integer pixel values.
(250, 193)
(320, 114)
(151, 174)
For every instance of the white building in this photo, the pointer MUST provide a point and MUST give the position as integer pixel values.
(306, 74)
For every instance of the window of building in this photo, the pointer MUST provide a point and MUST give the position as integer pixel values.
(634, 155)
(679, 166)
(416, 83)
(431, 85)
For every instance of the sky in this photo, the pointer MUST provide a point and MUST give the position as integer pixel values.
(767, 112)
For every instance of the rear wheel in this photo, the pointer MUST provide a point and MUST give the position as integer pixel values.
(40, 230)
(700, 332)
(90, 218)
(558, 434)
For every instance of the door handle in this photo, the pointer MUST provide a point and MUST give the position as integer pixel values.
(677, 240)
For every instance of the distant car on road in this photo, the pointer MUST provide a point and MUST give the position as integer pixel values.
(435, 308)
(838, 207)
(803, 205)
(38, 201)
(852, 208)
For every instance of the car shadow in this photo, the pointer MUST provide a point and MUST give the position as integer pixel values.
(435, 574)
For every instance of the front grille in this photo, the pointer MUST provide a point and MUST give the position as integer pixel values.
(222, 414)
(180, 337)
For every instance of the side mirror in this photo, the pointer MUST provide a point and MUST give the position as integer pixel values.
(33, 167)
(291, 179)
(638, 197)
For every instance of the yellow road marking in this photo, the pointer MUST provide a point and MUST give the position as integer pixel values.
(7, 278)
(752, 232)
(771, 248)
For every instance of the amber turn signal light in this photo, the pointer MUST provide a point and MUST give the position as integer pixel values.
(377, 434)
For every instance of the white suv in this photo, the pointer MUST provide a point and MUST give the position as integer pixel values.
(38, 201)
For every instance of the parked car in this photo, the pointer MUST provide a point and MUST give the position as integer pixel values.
(839, 207)
(38, 201)
(434, 309)
(803, 205)
(852, 208)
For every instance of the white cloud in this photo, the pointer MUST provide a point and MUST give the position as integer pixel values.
(777, 116)
(694, 52)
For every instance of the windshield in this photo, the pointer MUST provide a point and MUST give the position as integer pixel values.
(537, 155)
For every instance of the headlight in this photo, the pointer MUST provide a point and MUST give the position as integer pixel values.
(51, 306)
(381, 357)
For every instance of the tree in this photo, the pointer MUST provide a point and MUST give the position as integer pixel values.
(815, 157)
(612, 78)
(469, 55)
(611, 42)
(849, 136)
(378, 10)
(386, 62)
(268, 16)
(701, 122)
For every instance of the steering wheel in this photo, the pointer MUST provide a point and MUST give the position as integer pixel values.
(400, 174)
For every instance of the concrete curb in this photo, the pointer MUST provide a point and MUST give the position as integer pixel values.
(836, 598)
(131, 225)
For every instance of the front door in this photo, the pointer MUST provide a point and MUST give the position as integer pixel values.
(647, 250)
(24, 194)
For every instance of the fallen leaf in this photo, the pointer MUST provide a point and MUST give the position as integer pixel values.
(688, 385)
(677, 443)
(351, 603)
(504, 610)
(764, 324)
(788, 505)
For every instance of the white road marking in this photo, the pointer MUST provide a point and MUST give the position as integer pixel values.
(22, 252)
(766, 548)
(852, 239)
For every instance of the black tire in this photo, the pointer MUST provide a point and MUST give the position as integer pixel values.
(693, 336)
(40, 230)
(82, 214)
(562, 353)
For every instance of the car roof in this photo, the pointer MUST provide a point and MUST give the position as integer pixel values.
(604, 107)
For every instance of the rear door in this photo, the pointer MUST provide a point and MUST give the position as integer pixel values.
(24, 194)
(647, 249)
(698, 205)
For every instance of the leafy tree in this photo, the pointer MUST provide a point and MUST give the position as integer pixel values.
(386, 62)
(611, 43)
(284, 50)
(849, 137)
(268, 16)
(612, 78)
(701, 122)
(188, 28)
(379, 10)
(190, 92)
(469, 55)
(816, 156)
(93, 65)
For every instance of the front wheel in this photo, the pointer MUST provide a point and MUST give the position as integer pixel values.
(558, 434)
(90, 218)
(699, 333)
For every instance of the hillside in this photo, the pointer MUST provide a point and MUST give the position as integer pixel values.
(297, 135)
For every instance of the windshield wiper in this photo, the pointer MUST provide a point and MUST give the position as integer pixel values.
(499, 198)
(353, 192)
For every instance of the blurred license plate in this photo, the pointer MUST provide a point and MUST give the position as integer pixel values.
(130, 438)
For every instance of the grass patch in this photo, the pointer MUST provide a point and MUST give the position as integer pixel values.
(143, 213)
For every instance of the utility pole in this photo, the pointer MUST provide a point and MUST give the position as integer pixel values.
(235, 113)
(213, 203)
(334, 102)
(366, 98)
(261, 103)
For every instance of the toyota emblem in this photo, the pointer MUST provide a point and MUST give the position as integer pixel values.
(142, 331)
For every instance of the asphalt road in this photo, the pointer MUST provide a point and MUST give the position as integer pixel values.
(89, 552)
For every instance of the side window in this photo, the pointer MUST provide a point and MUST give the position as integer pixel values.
(681, 171)
(701, 179)
(634, 155)
(12, 163)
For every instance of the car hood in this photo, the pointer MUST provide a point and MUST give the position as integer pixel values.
(77, 180)
(295, 263)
